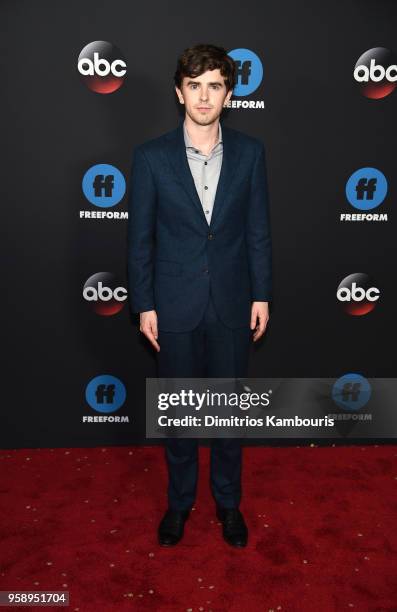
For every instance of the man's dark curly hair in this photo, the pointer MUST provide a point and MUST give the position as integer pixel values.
(200, 58)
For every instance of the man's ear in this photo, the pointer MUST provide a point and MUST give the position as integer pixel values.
(179, 94)
(228, 96)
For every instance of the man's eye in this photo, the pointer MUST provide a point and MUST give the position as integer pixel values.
(195, 85)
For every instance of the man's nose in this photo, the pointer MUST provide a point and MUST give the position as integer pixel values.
(204, 94)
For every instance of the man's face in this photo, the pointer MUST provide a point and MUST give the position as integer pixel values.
(204, 96)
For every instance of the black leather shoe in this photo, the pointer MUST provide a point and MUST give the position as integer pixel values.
(171, 527)
(235, 530)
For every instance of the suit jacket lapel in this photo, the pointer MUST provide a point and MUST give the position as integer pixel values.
(230, 157)
(181, 168)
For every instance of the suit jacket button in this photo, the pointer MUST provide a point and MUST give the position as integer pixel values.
(205, 270)
(210, 236)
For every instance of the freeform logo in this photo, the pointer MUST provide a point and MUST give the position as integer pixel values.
(105, 394)
(102, 67)
(357, 294)
(249, 77)
(104, 293)
(366, 189)
(104, 186)
(376, 73)
(351, 392)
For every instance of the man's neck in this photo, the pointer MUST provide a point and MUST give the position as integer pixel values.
(204, 137)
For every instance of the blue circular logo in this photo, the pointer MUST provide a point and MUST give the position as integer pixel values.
(103, 185)
(249, 71)
(351, 392)
(366, 188)
(105, 393)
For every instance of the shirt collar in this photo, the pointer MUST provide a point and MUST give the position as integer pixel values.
(188, 142)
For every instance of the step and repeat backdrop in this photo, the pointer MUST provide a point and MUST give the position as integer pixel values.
(83, 84)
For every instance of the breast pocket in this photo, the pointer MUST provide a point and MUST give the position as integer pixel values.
(166, 266)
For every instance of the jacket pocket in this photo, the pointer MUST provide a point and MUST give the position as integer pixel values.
(165, 266)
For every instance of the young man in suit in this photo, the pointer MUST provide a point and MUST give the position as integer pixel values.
(199, 261)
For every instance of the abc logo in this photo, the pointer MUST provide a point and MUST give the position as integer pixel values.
(102, 67)
(357, 294)
(104, 293)
(376, 73)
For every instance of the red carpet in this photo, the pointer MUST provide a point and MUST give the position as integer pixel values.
(322, 524)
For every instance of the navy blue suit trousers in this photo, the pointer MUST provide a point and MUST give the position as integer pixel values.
(210, 350)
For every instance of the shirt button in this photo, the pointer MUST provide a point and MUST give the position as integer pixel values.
(206, 212)
(196, 151)
(205, 163)
(205, 187)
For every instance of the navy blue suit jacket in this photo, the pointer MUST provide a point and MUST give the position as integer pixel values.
(174, 256)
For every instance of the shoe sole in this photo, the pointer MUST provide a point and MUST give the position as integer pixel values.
(235, 545)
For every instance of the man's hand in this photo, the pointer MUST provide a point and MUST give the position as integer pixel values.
(259, 310)
(148, 326)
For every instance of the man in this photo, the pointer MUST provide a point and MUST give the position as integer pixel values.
(199, 261)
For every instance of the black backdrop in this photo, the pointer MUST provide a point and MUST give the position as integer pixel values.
(317, 128)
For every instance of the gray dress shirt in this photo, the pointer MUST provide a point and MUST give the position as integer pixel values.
(205, 170)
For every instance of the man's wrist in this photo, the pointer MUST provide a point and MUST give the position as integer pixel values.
(144, 308)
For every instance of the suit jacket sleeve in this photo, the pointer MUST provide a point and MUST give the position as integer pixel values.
(258, 235)
(141, 230)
